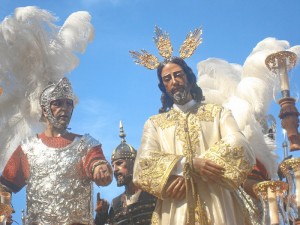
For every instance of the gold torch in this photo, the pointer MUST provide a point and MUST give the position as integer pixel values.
(280, 63)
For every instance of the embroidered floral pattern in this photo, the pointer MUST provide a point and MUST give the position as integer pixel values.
(155, 170)
(234, 161)
(187, 124)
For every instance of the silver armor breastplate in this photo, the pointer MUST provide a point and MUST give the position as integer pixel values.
(57, 191)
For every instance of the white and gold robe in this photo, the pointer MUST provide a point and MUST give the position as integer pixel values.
(206, 131)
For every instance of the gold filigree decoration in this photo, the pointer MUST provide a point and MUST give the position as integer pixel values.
(287, 58)
(155, 170)
(187, 125)
(234, 161)
(154, 218)
(204, 112)
(165, 49)
(290, 164)
(163, 43)
(188, 132)
(191, 43)
(187, 129)
(201, 216)
(278, 187)
(145, 59)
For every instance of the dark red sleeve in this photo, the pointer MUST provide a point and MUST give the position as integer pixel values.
(94, 155)
(259, 172)
(16, 171)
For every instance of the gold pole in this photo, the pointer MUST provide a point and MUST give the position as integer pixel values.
(279, 63)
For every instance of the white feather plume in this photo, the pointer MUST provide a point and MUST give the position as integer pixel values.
(247, 91)
(33, 52)
(77, 31)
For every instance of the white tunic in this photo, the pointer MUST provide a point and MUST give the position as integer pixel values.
(203, 130)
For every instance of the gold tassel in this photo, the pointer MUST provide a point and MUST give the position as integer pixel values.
(196, 212)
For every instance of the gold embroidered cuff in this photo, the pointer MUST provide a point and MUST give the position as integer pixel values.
(233, 160)
(154, 172)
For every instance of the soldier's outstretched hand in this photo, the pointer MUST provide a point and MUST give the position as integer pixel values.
(103, 174)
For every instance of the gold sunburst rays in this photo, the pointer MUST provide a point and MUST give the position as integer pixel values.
(163, 43)
(165, 49)
(190, 44)
(145, 59)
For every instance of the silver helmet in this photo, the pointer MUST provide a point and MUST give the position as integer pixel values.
(60, 90)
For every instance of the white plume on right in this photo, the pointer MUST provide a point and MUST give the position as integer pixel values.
(247, 90)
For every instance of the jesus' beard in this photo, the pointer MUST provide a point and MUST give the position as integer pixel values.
(180, 96)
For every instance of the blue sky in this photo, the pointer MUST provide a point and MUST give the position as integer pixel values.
(112, 88)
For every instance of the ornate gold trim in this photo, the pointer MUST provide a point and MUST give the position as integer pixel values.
(187, 124)
(261, 189)
(289, 164)
(234, 161)
(165, 49)
(155, 171)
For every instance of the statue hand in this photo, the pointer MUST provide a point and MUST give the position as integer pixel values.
(208, 170)
(103, 175)
(101, 205)
(175, 187)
